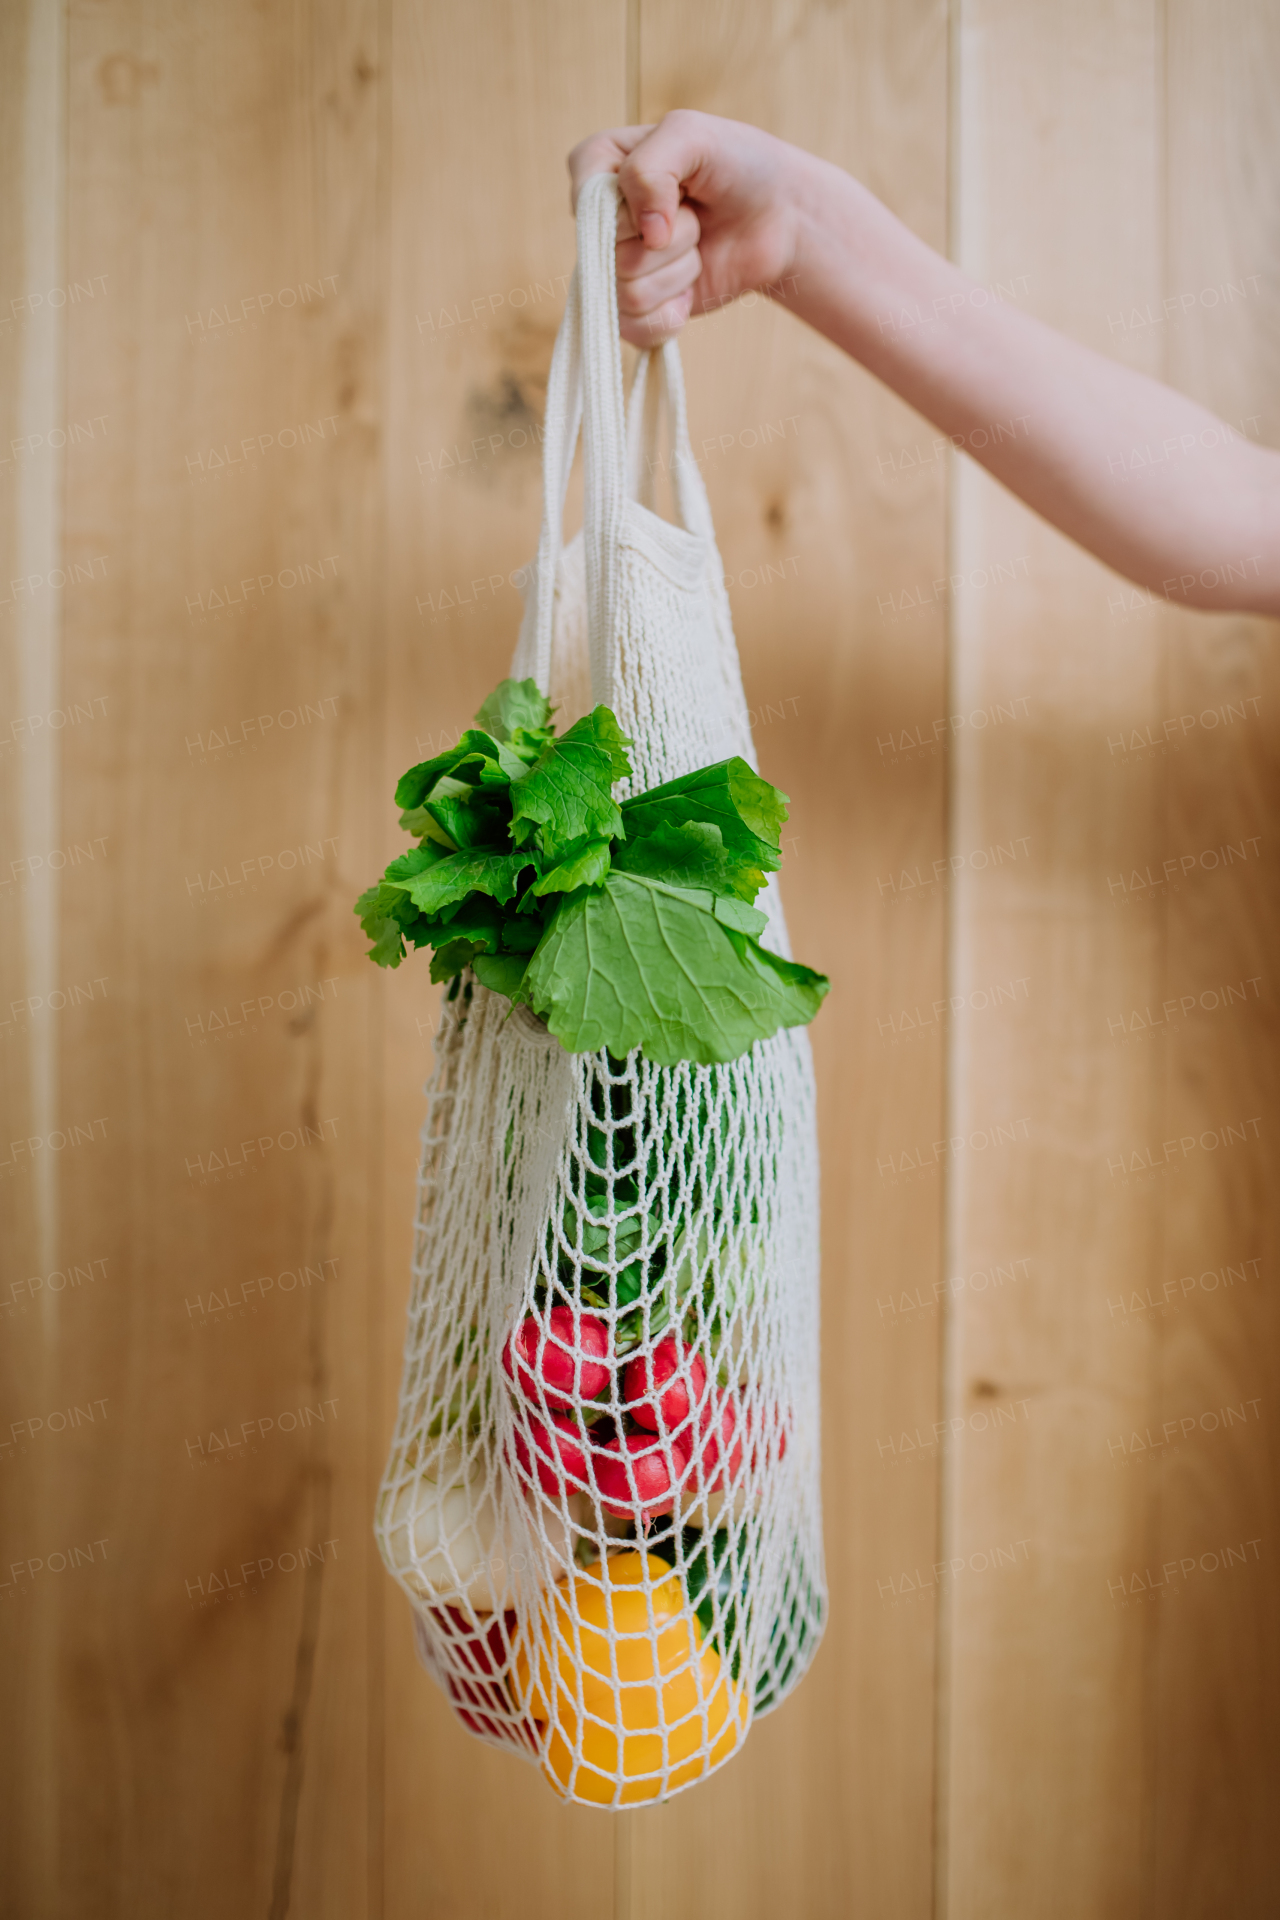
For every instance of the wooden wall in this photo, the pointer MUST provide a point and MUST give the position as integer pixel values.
(280, 288)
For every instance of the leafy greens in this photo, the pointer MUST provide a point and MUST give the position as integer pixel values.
(622, 926)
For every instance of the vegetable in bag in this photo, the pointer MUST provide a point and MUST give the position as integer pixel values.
(631, 1676)
(620, 926)
(443, 1526)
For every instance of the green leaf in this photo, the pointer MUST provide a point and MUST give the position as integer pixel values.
(797, 987)
(459, 874)
(477, 758)
(382, 907)
(643, 964)
(515, 704)
(388, 942)
(418, 822)
(691, 853)
(415, 861)
(460, 816)
(451, 959)
(584, 869)
(499, 772)
(412, 787)
(747, 810)
(502, 972)
(520, 934)
(389, 919)
(477, 918)
(566, 796)
(733, 912)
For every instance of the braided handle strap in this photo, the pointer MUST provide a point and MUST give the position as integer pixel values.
(585, 393)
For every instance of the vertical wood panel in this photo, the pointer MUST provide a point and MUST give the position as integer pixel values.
(206, 1683)
(1122, 1633)
(1213, 1676)
(829, 1809)
(31, 356)
(486, 105)
(1045, 1766)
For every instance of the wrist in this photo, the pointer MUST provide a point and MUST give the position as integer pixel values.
(797, 208)
(827, 212)
(855, 266)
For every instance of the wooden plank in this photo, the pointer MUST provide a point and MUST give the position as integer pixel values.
(829, 1809)
(1044, 1702)
(481, 249)
(1213, 1703)
(218, 165)
(32, 339)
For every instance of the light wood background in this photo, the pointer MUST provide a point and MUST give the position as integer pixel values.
(280, 289)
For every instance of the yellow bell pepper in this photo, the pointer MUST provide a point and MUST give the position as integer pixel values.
(620, 1728)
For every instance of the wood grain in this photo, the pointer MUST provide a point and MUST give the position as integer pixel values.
(202, 1666)
(481, 248)
(1086, 1663)
(1212, 1674)
(829, 1809)
(1045, 1761)
(32, 342)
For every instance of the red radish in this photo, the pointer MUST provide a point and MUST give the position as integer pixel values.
(560, 1364)
(635, 1461)
(559, 1451)
(718, 1421)
(664, 1387)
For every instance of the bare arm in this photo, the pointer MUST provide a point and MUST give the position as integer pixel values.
(717, 207)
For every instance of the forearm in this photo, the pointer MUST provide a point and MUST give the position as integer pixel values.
(1195, 515)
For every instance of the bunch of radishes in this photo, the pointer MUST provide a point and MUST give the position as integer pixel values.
(668, 1428)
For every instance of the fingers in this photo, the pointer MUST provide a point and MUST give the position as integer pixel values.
(602, 153)
(654, 164)
(655, 290)
(636, 261)
(658, 260)
(641, 293)
(656, 170)
(651, 329)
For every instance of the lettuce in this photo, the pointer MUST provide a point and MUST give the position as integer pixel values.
(518, 714)
(567, 794)
(639, 963)
(621, 926)
(731, 796)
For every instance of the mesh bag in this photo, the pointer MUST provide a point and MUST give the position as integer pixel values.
(606, 1246)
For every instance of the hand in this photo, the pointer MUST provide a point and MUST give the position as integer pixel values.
(709, 213)
(715, 208)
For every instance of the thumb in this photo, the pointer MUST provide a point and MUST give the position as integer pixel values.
(657, 167)
(652, 195)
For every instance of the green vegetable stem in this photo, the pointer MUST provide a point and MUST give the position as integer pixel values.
(621, 926)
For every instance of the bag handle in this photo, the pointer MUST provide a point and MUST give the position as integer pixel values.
(585, 392)
(604, 425)
(643, 403)
(692, 504)
(561, 421)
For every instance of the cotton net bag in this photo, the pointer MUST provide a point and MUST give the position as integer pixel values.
(621, 1634)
